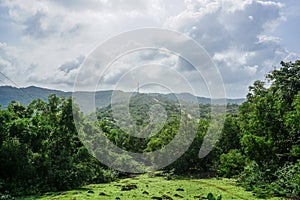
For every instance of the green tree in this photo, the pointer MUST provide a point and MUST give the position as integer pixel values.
(269, 124)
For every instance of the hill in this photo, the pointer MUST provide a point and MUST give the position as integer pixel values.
(102, 98)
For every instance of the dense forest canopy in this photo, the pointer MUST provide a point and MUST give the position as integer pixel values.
(40, 149)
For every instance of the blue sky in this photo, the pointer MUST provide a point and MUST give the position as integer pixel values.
(43, 43)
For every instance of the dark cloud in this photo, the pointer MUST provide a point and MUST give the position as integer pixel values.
(71, 65)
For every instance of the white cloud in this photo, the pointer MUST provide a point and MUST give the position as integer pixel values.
(237, 35)
(234, 57)
(54, 32)
(9, 65)
(268, 39)
(63, 76)
(136, 61)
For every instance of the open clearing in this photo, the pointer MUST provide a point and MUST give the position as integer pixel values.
(145, 187)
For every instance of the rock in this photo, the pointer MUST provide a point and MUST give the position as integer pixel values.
(145, 192)
(128, 187)
(102, 194)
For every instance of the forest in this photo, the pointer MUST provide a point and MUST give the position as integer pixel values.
(259, 147)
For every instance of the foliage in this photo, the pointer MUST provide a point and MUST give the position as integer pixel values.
(231, 164)
(40, 150)
(231, 135)
(210, 196)
(287, 181)
(254, 178)
(269, 123)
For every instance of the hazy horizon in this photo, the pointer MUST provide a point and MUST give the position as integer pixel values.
(141, 92)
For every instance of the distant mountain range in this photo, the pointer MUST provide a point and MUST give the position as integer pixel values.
(102, 98)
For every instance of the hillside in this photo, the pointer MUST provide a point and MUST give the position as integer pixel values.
(103, 98)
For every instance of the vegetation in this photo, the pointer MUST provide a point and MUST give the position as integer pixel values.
(40, 149)
(269, 123)
(156, 187)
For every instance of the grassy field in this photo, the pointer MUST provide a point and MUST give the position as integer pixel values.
(145, 187)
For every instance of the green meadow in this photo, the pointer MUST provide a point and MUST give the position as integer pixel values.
(155, 187)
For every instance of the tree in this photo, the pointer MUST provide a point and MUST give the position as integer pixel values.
(40, 149)
(269, 123)
(265, 115)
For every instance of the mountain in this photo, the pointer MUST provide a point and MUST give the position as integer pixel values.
(26, 95)
(189, 98)
(102, 98)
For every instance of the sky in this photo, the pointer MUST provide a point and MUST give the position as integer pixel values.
(47, 43)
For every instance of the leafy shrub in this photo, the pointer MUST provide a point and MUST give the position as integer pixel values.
(285, 182)
(170, 174)
(232, 163)
(257, 178)
(251, 176)
(288, 181)
(210, 196)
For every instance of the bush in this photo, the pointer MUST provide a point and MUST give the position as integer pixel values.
(231, 164)
(210, 196)
(287, 183)
(264, 182)
(251, 176)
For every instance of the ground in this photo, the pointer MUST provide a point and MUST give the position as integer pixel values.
(155, 187)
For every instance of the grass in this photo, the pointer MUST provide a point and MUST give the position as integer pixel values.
(146, 187)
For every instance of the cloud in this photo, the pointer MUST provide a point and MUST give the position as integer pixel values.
(137, 60)
(54, 36)
(63, 76)
(213, 25)
(71, 65)
(34, 26)
(54, 32)
(8, 64)
(58, 18)
(265, 39)
(237, 35)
